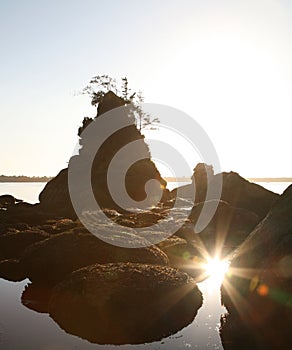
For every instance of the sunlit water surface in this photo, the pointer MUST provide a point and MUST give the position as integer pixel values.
(22, 328)
(27, 191)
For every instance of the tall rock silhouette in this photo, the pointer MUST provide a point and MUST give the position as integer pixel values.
(55, 197)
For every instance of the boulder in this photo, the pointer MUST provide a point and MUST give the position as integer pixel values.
(6, 201)
(49, 261)
(12, 245)
(242, 193)
(58, 226)
(125, 303)
(227, 229)
(258, 289)
(10, 270)
(25, 213)
(7, 227)
(36, 297)
(55, 197)
(237, 191)
(182, 255)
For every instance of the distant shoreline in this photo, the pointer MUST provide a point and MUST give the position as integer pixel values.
(5, 178)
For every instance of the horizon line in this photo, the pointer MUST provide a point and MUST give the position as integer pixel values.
(255, 179)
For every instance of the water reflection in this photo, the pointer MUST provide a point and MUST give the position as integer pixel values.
(21, 328)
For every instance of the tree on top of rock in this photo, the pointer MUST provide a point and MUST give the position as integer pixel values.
(102, 86)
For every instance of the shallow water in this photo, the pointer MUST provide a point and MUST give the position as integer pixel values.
(27, 191)
(22, 328)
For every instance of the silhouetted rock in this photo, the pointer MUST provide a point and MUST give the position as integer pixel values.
(58, 226)
(203, 173)
(8, 227)
(236, 190)
(25, 213)
(36, 297)
(55, 197)
(7, 201)
(181, 255)
(12, 245)
(125, 303)
(227, 229)
(196, 191)
(109, 102)
(10, 270)
(244, 194)
(51, 260)
(257, 292)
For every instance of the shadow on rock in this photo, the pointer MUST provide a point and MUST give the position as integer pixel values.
(258, 291)
(125, 303)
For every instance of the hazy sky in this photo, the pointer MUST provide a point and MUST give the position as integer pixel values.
(226, 63)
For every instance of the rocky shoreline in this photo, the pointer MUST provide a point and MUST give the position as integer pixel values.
(123, 285)
(52, 251)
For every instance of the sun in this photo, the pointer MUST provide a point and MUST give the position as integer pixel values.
(216, 269)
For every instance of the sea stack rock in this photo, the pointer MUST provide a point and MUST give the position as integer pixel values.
(258, 290)
(55, 197)
(125, 303)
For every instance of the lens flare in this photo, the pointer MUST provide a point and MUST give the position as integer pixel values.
(216, 269)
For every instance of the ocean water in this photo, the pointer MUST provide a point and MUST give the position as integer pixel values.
(277, 187)
(29, 191)
(22, 328)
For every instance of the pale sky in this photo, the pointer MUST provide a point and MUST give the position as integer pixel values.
(228, 64)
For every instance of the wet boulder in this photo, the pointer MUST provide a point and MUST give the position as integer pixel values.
(10, 270)
(125, 303)
(182, 255)
(13, 244)
(227, 226)
(25, 213)
(51, 260)
(36, 297)
(7, 201)
(58, 226)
